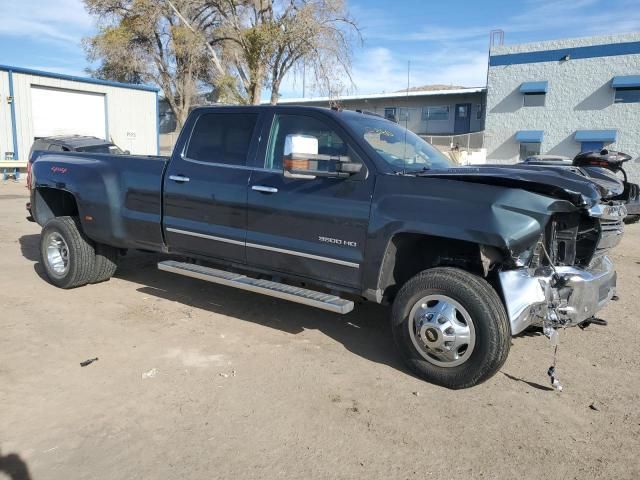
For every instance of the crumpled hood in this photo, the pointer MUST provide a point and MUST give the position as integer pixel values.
(559, 183)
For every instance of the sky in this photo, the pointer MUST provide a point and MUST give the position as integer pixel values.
(446, 42)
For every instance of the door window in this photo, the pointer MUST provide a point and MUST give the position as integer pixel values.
(222, 138)
(329, 142)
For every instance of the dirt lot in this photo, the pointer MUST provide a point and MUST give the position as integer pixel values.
(201, 381)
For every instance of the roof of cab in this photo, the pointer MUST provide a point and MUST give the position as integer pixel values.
(302, 108)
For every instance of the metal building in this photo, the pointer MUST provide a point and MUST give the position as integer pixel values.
(452, 111)
(40, 104)
(564, 96)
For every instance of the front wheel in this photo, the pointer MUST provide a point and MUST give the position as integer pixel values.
(451, 327)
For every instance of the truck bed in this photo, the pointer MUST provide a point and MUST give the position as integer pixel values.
(121, 195)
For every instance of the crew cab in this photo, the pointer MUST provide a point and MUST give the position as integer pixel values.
(324, 207)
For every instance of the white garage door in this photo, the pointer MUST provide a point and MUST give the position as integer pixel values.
(67, 112)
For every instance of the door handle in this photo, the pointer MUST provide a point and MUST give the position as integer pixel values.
(178, 178)
(264, 189)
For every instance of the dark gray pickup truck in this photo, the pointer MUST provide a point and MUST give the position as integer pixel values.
(324, 207)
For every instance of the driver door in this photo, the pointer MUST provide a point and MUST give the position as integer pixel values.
(309, 227)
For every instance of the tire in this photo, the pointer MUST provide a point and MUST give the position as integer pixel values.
(475, 315)
(629, 219)
(73, 266)
(106, 263)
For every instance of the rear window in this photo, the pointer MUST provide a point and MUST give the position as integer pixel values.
(222, 138)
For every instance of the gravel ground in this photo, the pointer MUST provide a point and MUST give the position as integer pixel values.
(201, 381)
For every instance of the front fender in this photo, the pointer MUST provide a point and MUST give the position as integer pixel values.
(509, 219)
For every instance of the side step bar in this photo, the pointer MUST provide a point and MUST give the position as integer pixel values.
(286, 292)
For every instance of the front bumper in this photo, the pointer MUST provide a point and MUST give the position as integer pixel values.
(531, 296)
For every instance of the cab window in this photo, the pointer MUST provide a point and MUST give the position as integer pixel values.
(222, 138)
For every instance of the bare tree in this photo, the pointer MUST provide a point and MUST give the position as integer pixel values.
(158, 42)
(319, 35)
(238, 48)
(265, 40)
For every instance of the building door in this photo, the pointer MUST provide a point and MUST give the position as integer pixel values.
(591, 146)
(56, 111)
(463, 118)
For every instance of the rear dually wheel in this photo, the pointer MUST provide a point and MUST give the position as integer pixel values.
(67, 254)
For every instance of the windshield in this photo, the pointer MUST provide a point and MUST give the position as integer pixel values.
(399, 147)
(104, 148)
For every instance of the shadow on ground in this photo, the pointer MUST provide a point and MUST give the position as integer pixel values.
(365, 331)
(14, 467)
(531, 384)
(29, 247)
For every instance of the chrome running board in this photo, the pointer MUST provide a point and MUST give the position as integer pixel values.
(305, 296)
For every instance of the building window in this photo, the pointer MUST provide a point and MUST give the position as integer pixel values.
(480, 111)
(390, 114)
(534, 93)
(529, 149)
(627, 95)
(591, 146)
(534, 99)
(595, 140)
(436, 113)
(403, 114)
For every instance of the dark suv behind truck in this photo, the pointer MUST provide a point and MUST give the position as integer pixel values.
(323, 207)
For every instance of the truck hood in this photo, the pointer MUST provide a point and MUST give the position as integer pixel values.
(558, 183)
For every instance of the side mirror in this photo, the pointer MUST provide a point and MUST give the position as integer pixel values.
(299, 152)
(301, 160)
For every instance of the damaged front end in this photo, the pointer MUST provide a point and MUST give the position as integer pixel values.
(566, 277)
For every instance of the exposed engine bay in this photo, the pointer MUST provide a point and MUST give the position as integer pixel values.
(567, 277)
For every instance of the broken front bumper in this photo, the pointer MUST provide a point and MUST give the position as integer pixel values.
(531, 296)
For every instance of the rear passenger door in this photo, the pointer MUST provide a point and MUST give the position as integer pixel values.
(205, 186)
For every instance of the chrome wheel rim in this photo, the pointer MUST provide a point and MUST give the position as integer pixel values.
(57, 254)
(442, 330)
